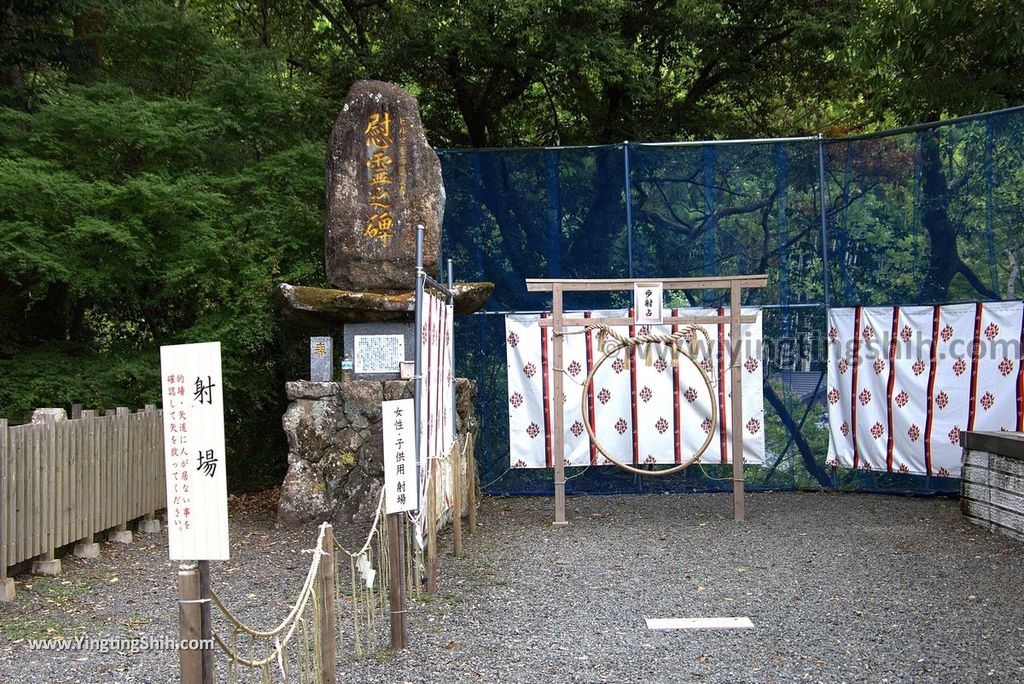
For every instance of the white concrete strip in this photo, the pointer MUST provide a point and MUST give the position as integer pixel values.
(700, 623)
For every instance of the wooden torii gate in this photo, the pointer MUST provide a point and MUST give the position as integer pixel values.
(558, 322)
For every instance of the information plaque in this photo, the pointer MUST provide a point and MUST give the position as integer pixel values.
(378, 353)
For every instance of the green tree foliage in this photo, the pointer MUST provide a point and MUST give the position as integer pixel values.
(553, 72)
(921, 60)
(157, 202)
(161, 163)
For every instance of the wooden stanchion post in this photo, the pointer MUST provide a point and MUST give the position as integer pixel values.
(328, 635)
(431, 530)
(471, 473)
(456, 460)
(190, 626)
(396, 584)
(206, 620)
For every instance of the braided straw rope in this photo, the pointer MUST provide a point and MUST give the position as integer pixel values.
(673, 342)
(291, 622)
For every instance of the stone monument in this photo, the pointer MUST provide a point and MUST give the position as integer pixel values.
(383, 181)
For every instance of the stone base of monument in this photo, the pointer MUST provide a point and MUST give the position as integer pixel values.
(87, 550)
(47, 567)
(323, 308)
(336, 451)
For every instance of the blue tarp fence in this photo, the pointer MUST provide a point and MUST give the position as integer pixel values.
(923, 215)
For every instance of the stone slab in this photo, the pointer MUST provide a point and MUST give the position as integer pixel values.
(151, 526)
(383, 180)
(368, 331)
(7, 591)
(305, 389)
(324, 309)
(321, 359)
(42, 415)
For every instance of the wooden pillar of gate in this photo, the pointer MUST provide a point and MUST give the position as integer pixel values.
(558, 419)
(736, 379)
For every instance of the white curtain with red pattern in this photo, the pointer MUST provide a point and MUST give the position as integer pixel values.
(904, 382)
(643, 411)
(437, 395)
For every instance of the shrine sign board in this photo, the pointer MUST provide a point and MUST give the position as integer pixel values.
(398, 423)
(193, 413)
(378, 353)
(648, 299)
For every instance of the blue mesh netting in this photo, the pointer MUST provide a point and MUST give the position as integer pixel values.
(729, 209)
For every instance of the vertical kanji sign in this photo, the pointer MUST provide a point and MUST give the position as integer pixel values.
(197, 499)
(398, 427)
(647, 303)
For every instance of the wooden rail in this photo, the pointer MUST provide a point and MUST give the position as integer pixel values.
(65, 481)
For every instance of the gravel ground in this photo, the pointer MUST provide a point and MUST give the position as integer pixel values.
(840, 588)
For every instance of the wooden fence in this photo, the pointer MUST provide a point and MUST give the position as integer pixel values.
(65, 481)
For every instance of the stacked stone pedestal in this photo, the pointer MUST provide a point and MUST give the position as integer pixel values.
(336, 451)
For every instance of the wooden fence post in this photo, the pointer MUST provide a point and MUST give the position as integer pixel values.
(471, 473)
(47, 563)
(149, 524)
(432, 528)
(120, 534)
(6, 515)
(326, 598)
(87, 546)
(396, 583)
(190, 619)
(456, 460)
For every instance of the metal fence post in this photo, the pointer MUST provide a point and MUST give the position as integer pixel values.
(629, 208)
(826, 273)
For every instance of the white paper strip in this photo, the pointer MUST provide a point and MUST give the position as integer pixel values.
(700, 623)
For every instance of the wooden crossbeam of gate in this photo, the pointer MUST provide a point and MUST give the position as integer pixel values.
(558, 323)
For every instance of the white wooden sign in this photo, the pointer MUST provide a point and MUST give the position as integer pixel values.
(647, 303)
(399, 429)
(197, 496)
(378, 353)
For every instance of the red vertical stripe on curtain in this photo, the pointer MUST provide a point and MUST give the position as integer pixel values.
(855, 362)
(936, 316)
(892, 383)
(546, 395)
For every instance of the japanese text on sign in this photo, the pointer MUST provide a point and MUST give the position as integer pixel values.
(398, 428)
(378, 353)
(647, 303)
(193, 416)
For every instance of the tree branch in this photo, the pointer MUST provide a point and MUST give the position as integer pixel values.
(336, 23)
(972, 278)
